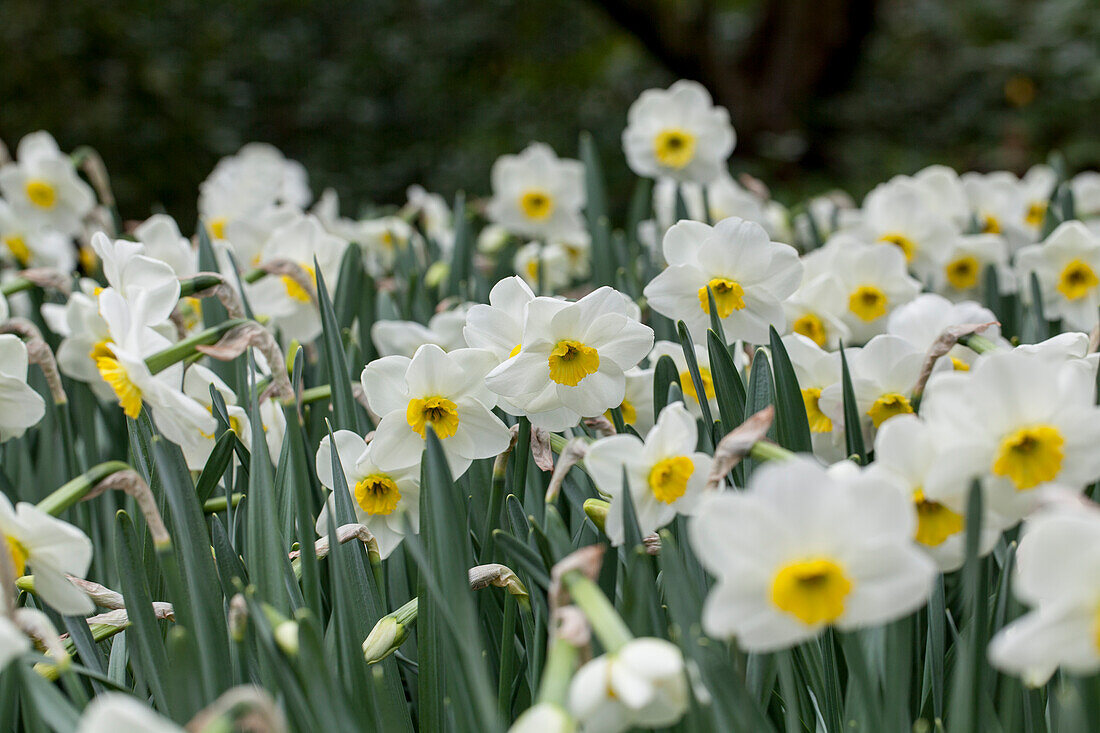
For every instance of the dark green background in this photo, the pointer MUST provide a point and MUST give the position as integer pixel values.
(372, 96)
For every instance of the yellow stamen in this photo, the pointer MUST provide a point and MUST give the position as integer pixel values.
(819, 421)
(1077, 279)
(991, 224)
(959, 365)
(887, 406)
(536, 204)
(1036, 212)
(514, 351)
(668, 479)
(935, 522)
(812, 327)
(439, 411)
(377, 494)
(572, 361)
(687, 384)
(532, 268)
(294, 289)
(813, 590)
(115, 375)
(41, 193)
(217, 227)
(1030, 456)
(674, 147)
(902, 242)
(962, 272)
(18, 554)
(18, 248)
(729, 296)
(868, 303)
(88, 259)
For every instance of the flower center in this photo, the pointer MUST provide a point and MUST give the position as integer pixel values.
(41, 194)
(902, 242)
(532, 268)
(18, 554)
(439, 411)
(572, 361)
(867, 302)
(959, 365)
(674, 147)
(514, 351)
(819, 421)
(688, 384)
(1036, 212)
(729, 296)
(1030, 456)
(887, 406)
(990, 224)
(377, 494)
(217, 227)
(962, 272)
(668, 479)
(812, 327)
(813, 591)
(935, 522)
(18, 248)
(115, 375)
(294, 288)
(1077, 279)
(536, 204)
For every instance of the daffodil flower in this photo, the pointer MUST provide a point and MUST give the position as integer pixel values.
(43, 187)
(23, 407)
(536, 194)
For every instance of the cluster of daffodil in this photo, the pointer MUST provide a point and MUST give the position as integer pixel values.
(843, 458)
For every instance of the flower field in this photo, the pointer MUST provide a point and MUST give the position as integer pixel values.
(523, 461)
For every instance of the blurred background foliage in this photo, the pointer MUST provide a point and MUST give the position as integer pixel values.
(373, 95)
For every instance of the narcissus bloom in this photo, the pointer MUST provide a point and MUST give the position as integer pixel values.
(572, 360)
(23, 407)
(162, 239)
(637, 405)
(803, 548)
(444, 390)
(666, 474)
(537, 194)
(962, 271)
(678, 133)
(43, 187)
(922, 321)
(1057, 564)
(405, 337)
(1019, 422)
(1067, 266)
(687, 386)
(643, 684)
(498, 326)
(905, 450)
(385, 501)
(114, 712)
(545, 267)
(749, 275)
(33, 245)
(817, 308)
(817, 370)
(53, 548)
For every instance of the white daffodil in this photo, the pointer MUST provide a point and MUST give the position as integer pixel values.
(943, 185)
(292, 304)
(902, 213)
(1085, 187)
(256, 177)
(121, 363)
(922, 320)
(382, 240)
(748, 274)
(1057, 564)
(138, 277)
(13, 642)
(434, 214)
(962, 273)
(1003, 204)
(874, 279)
(816, 310)
(678, 133)
(666, 474)
(544, 717)
(1067, 266)
(545, 267)
(23, 407)
(905, 449)
(644, 684)
(444, 390)
(803, 548)
(687, 385)
(385, 501)
(637, 405)
(1019, 422)
(31, 245)
(81, 327)
(403, 338)
(817, 370)
(53, 548)
(536, 194)
(573, 357)
(115, 712)
(196, 385)
(43, 187)
(498, 326)
(725, 198)
(162, 239)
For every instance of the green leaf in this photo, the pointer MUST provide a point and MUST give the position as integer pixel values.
(349, 286)
(853, 430)
(970, 663)
(664, 374)
(688, 347)
(462, 253)
(345, 411)
(793, 429)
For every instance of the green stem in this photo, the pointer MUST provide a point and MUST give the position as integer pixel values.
(765, 450)
(977, 342)
(180, 350)
(16, 285)
(218, 503)
(609, 626)
(561, 660)
(73, 491)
